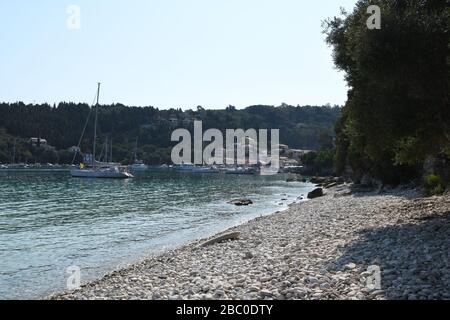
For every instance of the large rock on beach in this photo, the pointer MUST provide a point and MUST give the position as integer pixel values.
(316, 193)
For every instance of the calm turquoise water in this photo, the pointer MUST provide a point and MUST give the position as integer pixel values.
(50, 221)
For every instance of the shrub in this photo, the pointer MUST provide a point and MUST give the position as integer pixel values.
(434, 185)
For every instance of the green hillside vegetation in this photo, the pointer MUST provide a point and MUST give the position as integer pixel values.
(61, 125)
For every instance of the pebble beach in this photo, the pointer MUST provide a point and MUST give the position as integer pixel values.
(329, 248)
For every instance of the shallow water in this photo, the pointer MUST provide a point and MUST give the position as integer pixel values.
(50, 221)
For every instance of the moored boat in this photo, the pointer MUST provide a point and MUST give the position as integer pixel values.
(186, 167)
(138, 167)
(240, 170)
(110, 171)
(116, 172)
(205, 170)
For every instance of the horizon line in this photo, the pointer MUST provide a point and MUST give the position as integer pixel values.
(175, 108)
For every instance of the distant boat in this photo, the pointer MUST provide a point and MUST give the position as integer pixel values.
(240, 170)
(205, 170)
(186, 167)
(138, 165)
(110, 171)
(18, 166)
(115, 172)
(32, 168)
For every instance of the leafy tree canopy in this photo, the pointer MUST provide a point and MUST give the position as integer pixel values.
(397, 112)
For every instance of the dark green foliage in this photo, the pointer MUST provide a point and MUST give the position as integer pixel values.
(398, 110)
(19, 150)
(434, 185)
(318, 163)
(300, 127)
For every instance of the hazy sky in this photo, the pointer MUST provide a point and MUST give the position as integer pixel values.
(170, 53)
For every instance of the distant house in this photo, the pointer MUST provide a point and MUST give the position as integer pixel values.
(37, 141)
(282, 149)
(297, 154)
(286, 162)
(74, 149)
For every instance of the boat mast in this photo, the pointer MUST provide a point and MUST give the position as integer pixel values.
(95, 126)
(14, 151)
(135, 150)
(106, 150)
(111, 157)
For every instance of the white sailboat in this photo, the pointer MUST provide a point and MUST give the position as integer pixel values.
(116, 172)
(99, 170)
(138, 165)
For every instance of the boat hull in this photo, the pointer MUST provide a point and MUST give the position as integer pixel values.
(138, 168)
(206, 171)
(240, 171)
(98, 174)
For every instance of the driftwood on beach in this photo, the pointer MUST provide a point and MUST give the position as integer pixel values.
(222, 238)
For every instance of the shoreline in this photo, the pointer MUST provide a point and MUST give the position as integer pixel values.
(317, 249)
(185, 246)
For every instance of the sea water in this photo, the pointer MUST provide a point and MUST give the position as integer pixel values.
(50, 221)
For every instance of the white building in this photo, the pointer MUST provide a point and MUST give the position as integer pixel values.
(35, 141)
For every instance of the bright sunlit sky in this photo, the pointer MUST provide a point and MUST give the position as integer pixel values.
(170, 53)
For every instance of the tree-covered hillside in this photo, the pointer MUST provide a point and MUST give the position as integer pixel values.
(61, 125)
